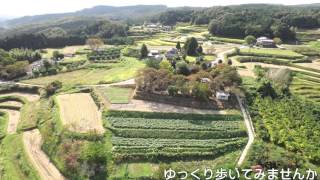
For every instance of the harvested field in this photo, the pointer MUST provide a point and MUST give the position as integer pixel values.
(140, 105)
(28, 96)
(32, 141)
(79, 113)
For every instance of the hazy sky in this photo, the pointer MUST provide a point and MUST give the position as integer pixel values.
(15, 8)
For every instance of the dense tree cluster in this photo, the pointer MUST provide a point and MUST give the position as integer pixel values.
(253, 19)
(67, 34)
(10, 68)
(25, 54)
(186, 81)
(171, 17)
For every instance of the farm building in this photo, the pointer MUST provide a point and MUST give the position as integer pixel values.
(265, 42)
(155, 54)
(222, 95)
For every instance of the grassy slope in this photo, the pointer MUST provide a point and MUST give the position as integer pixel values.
(119, 72)
(117, 95)
(3, 124)
(13, 160)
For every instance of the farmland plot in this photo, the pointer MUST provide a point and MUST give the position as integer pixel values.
(79, 113)
(174, 136)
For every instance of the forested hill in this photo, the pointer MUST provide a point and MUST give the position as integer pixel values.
(109, 12)
(249, 19)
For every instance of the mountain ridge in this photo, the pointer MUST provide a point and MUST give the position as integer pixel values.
(109, 12)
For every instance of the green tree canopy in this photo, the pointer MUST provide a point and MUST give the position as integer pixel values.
(191, 46)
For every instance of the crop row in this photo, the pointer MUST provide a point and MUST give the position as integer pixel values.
(177, 134)
(174, 124)
(158, 143)
(103, 57)
(178, 153)
(160, 115)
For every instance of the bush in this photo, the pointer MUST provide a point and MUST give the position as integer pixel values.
(53, 87)
(173, 90)
(131, 52)
(201, 91)
(153, 63)
(165, 64)
(182, 68)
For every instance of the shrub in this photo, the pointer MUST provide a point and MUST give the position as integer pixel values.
(53, 87)
(173, 90)
(153, 63)
(182, 68)
(201, 91)
(165, 64)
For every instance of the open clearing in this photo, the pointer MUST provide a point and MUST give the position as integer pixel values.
(117, 72)
(79, 113)
(28, 96)
(32, 141)
(140, 105)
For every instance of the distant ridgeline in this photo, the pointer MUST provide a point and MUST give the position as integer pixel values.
(238, 21)
(71, 31)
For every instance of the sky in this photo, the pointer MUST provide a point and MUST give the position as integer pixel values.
(17, 8)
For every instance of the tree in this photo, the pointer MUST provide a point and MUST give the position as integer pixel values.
(277, 41)
(143, 51)
(200, 50)
(250, 40)
(191, 46)
(182, 68)
(53, 87)
(95, 43)
(165, 64)
(178, 46)
(56, 55)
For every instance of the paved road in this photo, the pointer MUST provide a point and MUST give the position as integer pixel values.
(250, 129)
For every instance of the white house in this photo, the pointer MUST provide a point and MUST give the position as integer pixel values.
(222, 95)
(155, 54)
(265, 42)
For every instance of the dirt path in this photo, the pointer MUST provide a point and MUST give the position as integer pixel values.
(11, 103)
(250, 129)
(32, 141)
(14, 117)
(28, 96)
(140, 105)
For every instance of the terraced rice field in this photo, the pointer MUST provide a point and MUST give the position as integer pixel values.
(149, 136)
(306, 86)
(79, 113)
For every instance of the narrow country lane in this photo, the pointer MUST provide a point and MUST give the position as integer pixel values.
(250, 129)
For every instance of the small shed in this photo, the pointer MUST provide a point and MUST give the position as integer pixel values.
(222, 95)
